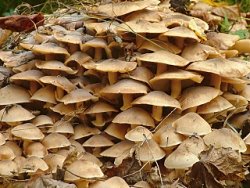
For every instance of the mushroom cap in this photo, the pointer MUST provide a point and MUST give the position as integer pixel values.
(139, 134)
(125, 86)
(36, 149)
(118, 149)
(117, 130)
(180, 159)
(98, 141)
(145, 14)
(158, 98)
(54, 161)
(122, 8)
(29, 75)
(177, 74)
(45, 48)
(134, 116)
(8, 168)
(142, 26)
(77, 95)
(64, 109)
(54, 65)
(222, 67)
(149, 151)
(55, 140)
(167, 137)
(78, 57)
(6, 153)
(113, 182)
(45, 94)
(33, 164)
(163, 57)
(62, 126)
(90, 157)
(242, 46)
(2, 139)
(81, 131)
(27, 131)
(181, 32)
(218, 104)
(102, 27)
(16, 113)
(58, 81)
(195, 96)
(191, 124)
(236, 100)
(225, 138)
(84, 169)
(70, 37)
(112, 65)
(12, 94)
(15, 148)
(238, 120)
(100, 107)
(246, 92)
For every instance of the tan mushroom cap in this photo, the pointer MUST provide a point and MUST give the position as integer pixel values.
(181, 32)
(164, 57)
(55, 140)
(8, 168)
(33, 164)
(134, 116)
(236, 100)
(70, 37)
(113, 182)
(167, 137)
(45, 48)
(90, 157)
(246, 92)
(191, 124)
(238, 120)
(58, 81)
(180, 159)
(195, 96)
(15, 148)
(76, 96)
(54, 161)
(242, 46)
(6, 153)
(157, 98)
(139, 134)
(12, 94)
(27, 131)
(122, 8)
(29, 75)
(149, 151)
(100, 107)
(145, 14)
(102, 27)
(36, 149)
(98, 141)
(141, 74)
(54, 65)
(142, 26)
(2, 139)
(222, 67)
(63, 127)
(218, 104)
(82, 169)
(45, 94)
(126, 86)
(79, 57)
(118, 149)
(225, 138)
(81, 131)
(16, 113)
(63, 109)
(117, 130)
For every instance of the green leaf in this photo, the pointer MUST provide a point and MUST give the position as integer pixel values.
(225, 25)
(242, 33)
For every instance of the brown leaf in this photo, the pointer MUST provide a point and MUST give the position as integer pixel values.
(21, 23)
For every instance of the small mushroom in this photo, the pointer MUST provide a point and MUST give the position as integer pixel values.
(27, 131)
(6, 153)
(55, 141)
(82, 131)
(45, 94)
(33, 164)
(139, 134)
(54, 161)
(98, 141)
(112, 182)
(117, 130)
(8, 168)
(35, 149)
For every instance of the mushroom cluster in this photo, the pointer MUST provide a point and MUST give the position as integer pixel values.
(86, 92)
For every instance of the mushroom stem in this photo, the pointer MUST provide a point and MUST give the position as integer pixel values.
(73, 48)
(139, 39)
(33, 87)
(59, 93)
(98, 54)
(193, 109)
(224, 86)
(82, 184)
(112, 76)
(133, 126)
(127, 100)
(161, 68)
(175, 88)
(99, 121)
(179, 42)
(157, 112)
(215, 81)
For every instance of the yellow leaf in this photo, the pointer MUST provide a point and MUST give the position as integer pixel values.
(197, 29)
(214, 4)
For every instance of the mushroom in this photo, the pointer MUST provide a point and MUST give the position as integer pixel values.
(242, 46)
(158, 100)
(163, 58)
(27, 132)
(6, 153)
(112, 182)
(32, 164)
(175, 77)
(139, 134)
(126, 87)
(54, 161)
(82, 131)
(62, 127)
(35, 149)
(45, 94)
(55, 141)
(98, 141)
(8, 168)
(191, 124)
(237, 100)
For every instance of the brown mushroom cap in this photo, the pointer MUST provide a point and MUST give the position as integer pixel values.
(98, 141)
(15, 148)
(6, 153)
(102, 27)
(36, 149)
(191, 124)
(81, 131)
(45, 94)
(70, 37)
(27, 131)
(55, 140)
(225, 138)
(8, 168)
(82, 169)
(195, 96)
(113, 182)
(236, 100)
(117, 130)
(33, 164)
(29, 75)
(242, 46)
(63, 127)
(100, 107)
(12, 94)
(134, 116)
(139, 134)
